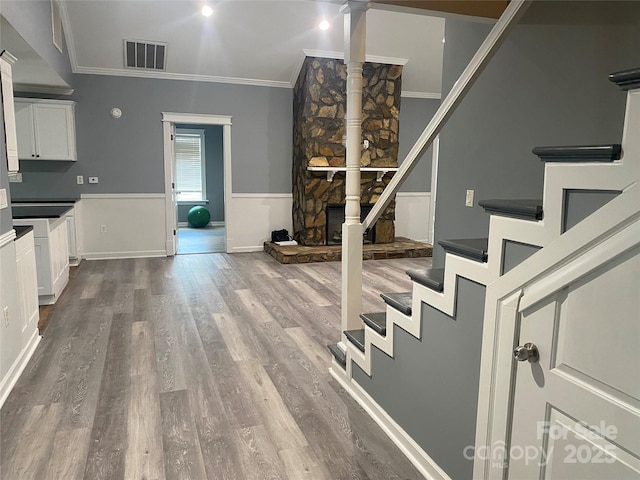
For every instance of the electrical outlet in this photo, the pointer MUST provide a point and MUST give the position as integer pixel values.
(15, 177)
(80, 180)
(103, 229)
(5, 314)
(469, 200)
(4, 203)
(365, 144)
(93, 179)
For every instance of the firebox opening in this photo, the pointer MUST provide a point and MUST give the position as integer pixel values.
(335, 219)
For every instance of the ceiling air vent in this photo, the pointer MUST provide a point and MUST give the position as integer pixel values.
(146, 55)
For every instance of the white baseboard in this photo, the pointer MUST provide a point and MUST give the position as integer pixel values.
(210, 224)
(121, 255)
(257, 248)
(416, 455)
(10, 379)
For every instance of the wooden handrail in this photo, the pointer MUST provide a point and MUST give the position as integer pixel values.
(487, 50)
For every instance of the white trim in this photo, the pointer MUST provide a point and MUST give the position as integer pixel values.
(196, 118)
(256, 248)
(121, 255)
(168, 119)
(368, 58)
(210, 224)
(13, 374)
(67, 32)
(157, 75)
(427, 95)
(116, 72)
(7, 237)
(413, 194)
(119, 196)
(435, 158)
(297, 67)
(416, 455)
(262, 195)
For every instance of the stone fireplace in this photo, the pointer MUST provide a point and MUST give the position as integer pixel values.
(319, 110)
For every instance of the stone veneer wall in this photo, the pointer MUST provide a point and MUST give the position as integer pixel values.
(319, 106)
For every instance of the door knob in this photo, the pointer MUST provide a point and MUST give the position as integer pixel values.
(528, 352)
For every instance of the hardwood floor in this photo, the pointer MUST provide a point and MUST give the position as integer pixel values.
(197, 367)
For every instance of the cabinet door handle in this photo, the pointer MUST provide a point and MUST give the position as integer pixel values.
(37, 156)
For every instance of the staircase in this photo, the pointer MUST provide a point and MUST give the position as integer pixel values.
(524, 235)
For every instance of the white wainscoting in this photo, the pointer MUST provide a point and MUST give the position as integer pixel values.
(17, 344)
(413, 216)
(134, 224)
(253, 216)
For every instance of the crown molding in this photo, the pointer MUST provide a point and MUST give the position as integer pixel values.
(430, 96)
(180, 76)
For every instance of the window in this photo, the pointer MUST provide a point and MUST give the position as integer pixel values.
(190, 161)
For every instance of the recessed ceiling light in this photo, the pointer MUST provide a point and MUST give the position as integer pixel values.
(324, 25)
(207, 11)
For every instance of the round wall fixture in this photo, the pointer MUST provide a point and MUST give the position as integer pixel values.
(116, 112)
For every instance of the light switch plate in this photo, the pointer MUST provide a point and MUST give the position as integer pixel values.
(3, 198)
(93, 179)
(469, 198)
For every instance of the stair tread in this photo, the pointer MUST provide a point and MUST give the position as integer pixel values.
(579, 153)
(356, 337)
(400, 301)
(338, 354)
(626, 79)
(432, 278)
(377, 321)
(527, 209)
(471, 248)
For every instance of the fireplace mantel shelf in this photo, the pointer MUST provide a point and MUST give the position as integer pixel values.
(331, 171)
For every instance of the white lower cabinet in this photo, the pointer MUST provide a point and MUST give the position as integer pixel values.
(52, 256)
(27, 281)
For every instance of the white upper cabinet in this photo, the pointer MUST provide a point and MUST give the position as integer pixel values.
(46, 129)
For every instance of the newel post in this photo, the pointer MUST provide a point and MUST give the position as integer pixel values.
(354, 57)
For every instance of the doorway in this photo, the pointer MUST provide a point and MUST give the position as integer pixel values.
(213, 237)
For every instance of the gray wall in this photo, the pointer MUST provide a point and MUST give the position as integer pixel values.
(127, 155)
(431, 386)
(214, 171)
(546, 86)
(415, 114)
(32, 20)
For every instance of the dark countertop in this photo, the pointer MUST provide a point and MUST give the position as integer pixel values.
(45, 200)
(22, 230)
(23, 211)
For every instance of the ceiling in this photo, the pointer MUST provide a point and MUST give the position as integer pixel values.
(256, 42)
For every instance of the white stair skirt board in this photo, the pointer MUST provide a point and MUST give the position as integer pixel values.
(18, 366)
(418, 457)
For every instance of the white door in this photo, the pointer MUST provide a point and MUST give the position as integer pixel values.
(577, 408)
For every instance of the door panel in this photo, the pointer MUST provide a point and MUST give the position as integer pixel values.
(577, 409)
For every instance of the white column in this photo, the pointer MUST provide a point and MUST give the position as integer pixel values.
(354, 56)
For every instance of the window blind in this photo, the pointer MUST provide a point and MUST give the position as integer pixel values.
(189, 166)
